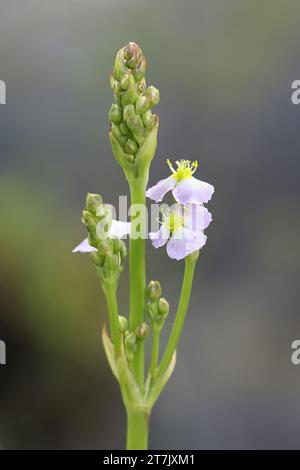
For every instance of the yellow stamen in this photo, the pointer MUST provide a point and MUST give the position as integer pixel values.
(185, 168)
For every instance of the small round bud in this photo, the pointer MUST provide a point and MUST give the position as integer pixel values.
(142, 331)
(124, 129)
(153, 290)
(123, 323)
(124, 82)
(128, 112)
(163, 306)
(130, 345)
(129, 157)
(131, 146)
(132, 55)
(148, 119)
(152, 310)
(115, 114)
(93, 201)
(142, 105)
(153, 94)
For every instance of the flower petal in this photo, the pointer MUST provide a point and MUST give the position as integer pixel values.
(179, 248)
(119, 229)
(158, 191)
(159, 238)
(191, 190)
(196, 217)
(84, 247)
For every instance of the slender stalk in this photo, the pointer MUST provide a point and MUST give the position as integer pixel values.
(155, 351)
(113, 314)
(190, 263)
(137, 277)
(137, 429)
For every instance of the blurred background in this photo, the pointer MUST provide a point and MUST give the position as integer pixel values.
(224, 70)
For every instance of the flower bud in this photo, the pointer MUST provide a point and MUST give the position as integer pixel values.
(153, 94)
(152, 310)
(123, 323)
(148, 119)
(128, 112)
(124, 82)
(140, 71)
(132, 55)
(115, 114)
(117, 133)
(97, 259)
(163, 306)
(124, 129)
(142, 331)
(93, 201)
(142, 105)
(130, 345)
(131, 146)
(153, 290)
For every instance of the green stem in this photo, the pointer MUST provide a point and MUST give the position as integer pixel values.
(137, 277)
(190, 263)
(155, 351)
(113, 314)
(137, 429)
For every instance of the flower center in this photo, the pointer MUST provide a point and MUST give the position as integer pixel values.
(185, 169)
(173, 221)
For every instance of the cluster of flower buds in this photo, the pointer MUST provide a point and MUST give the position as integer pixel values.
(131, 339)
(131, 118)
(157, 307)
(109, 250)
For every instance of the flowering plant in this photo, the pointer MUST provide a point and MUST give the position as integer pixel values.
(133, 137)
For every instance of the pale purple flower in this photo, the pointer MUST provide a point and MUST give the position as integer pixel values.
(185, 188)
(182, 230)
(117, 229)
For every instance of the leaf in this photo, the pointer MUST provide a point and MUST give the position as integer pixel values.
(159, 386)
(109, 351)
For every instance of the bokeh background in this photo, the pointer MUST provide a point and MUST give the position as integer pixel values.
(224, 69)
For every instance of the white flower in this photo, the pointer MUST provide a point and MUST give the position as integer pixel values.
(117, 229)
(182, 230)
(185, 188)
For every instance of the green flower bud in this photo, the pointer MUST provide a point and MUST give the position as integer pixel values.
(129, 157)
(148, 119)
(142, 331)
(142, 105)
(93, 201)
(140, 71)
(105, 247)
(163, 306)
(115, 114)
(153, 290)
(130, 95)
(125, 82)
(131, 146)
(152, 310)
(130, 344)
(117, 133)
(136, 126)
(97, 259)
(153, 94)
(123, 323)
(124, 129)
(129, 111)
(132, 55)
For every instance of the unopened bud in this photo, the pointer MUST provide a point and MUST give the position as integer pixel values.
(131, 146)
(115, 114)
(93, 201)
(124, 82)
(97, 259)
(153, 94)
(163, 306)
(123, 323)
(142, 331)
(153, 290)
(148, 119)
(130, 345)
(142, 105)
(128, 112)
